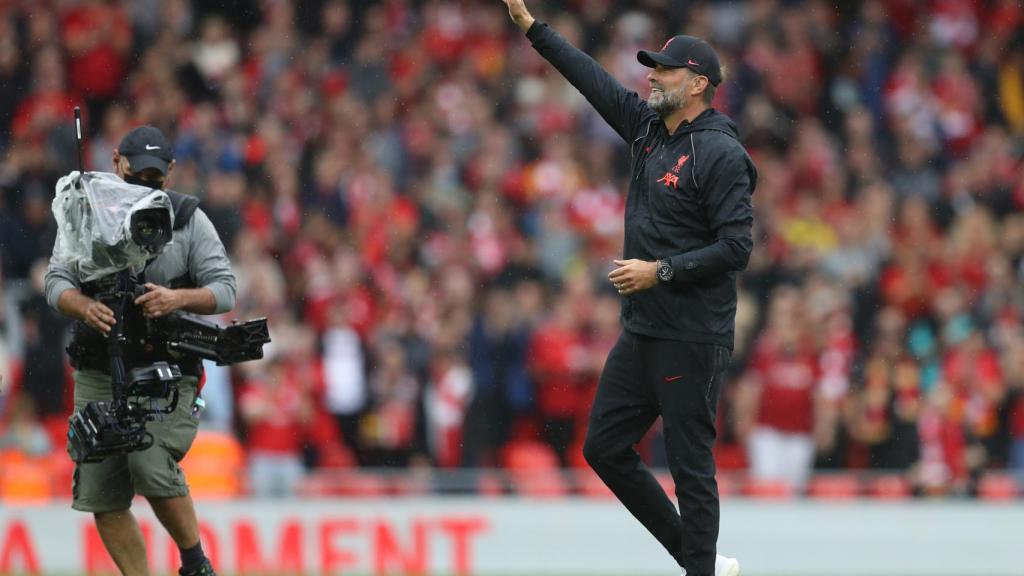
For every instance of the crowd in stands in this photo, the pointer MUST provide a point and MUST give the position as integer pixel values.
(426, 213)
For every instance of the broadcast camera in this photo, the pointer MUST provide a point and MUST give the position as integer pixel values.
(109, 230)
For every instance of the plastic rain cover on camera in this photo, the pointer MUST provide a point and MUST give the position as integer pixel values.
(94, 223)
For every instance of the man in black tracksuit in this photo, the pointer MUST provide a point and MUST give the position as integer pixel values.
(688, 231)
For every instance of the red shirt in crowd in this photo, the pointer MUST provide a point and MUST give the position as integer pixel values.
(552, 351)
(976, 381)
(40, 110)
(276, 413)
(911, 289)
(788, 379)
(98, 37)
(1017, 419)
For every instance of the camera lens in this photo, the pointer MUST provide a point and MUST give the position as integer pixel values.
(151, 228)
(146, 230)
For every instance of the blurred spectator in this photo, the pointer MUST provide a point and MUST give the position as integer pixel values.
(217, 392)
(973, 389)
(346, 391)
(447, 397)
(557, 358)
(275, 406)
(6, 367)
(497, 353)
(22, 432)
(779, 397)
(388, 430)
(44, 378)
(216, 51)
(97, 37)
(45, 106)
(13, 73)
(889, 399)
(1013, 367)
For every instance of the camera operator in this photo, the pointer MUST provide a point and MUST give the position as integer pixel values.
(191, 274)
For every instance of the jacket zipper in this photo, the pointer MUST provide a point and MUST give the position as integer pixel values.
(643, 161)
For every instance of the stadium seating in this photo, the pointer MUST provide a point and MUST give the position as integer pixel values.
(215, 466)
(23, 479)
(769, 489)
(889, 487)
(994, 486)
(534, 469)
(834, 487)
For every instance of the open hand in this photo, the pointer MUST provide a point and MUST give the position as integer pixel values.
(633, 276)
(159, 301)
(520, 15)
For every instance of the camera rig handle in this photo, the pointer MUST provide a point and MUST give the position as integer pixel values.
(151, 381)
(122, 295)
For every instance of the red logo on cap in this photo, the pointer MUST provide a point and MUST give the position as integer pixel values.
(692, 63)
(667, 42)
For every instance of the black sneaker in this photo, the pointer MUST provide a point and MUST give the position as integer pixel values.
(204, 569)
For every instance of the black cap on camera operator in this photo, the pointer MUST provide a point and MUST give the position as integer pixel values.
(144, 157)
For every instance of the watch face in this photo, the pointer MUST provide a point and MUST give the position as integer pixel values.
(664, 271)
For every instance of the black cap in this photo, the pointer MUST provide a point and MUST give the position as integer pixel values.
(146, 147)
(685, 52)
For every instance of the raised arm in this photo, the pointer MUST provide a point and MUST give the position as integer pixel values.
(622, 109)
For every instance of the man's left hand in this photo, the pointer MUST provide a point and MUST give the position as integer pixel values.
(159, 301)
(633, 276)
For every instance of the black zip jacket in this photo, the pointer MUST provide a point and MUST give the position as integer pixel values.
(689, 202)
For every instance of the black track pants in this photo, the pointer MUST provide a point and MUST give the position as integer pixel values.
(680, 381)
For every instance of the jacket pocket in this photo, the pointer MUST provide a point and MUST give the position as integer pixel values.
(712, 376)
(719, 363)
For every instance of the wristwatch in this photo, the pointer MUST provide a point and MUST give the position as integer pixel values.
(665, 270)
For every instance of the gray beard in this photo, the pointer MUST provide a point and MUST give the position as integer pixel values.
(665, 103)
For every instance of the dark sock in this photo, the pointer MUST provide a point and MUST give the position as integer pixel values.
(192, 557)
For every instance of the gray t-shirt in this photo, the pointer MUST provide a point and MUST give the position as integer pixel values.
(195, 249)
